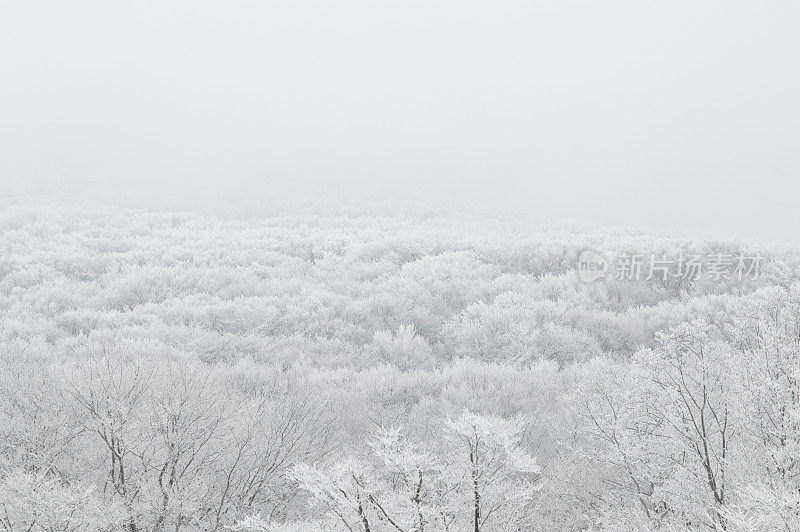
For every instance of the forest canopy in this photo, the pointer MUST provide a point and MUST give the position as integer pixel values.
(407, 366)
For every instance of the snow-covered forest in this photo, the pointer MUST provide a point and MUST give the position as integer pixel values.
(331, 366)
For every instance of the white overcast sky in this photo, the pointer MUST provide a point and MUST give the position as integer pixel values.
(673, 114)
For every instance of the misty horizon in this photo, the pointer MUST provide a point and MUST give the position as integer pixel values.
(622, 114)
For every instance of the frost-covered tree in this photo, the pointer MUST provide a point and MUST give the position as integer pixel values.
(43, 502)
(480, 478)
(500, 477)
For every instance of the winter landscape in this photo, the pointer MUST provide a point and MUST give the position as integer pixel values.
(399, 266)
(408, 367)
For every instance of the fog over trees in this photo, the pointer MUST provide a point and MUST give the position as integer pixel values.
(311, 365)
(399, 266)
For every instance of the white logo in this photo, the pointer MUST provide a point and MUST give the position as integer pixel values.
(591, 266)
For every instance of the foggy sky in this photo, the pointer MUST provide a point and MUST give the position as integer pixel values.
(673, 114)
